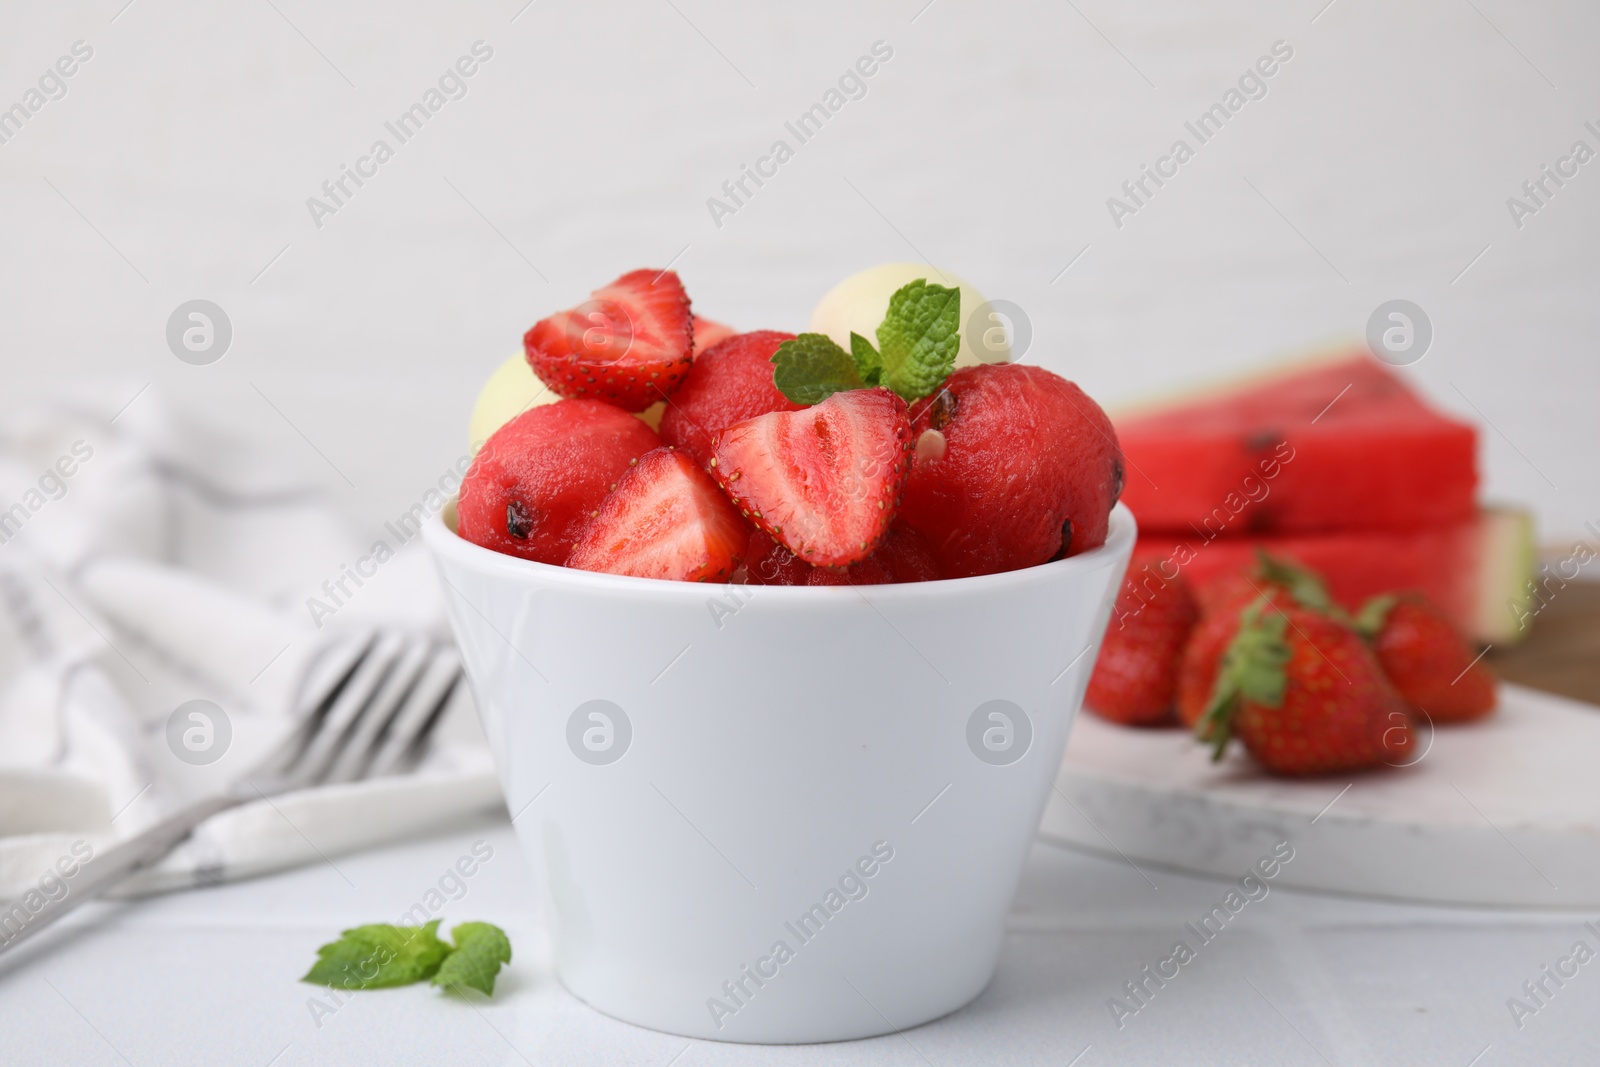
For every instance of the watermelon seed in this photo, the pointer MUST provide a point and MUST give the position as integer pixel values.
(1263, 440)
(519, 524)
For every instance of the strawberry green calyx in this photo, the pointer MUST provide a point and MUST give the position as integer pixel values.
(1254, 668)
(1374, 613)
(1303, 584)
(917, 345)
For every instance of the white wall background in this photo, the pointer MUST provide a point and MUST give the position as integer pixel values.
(989, 144)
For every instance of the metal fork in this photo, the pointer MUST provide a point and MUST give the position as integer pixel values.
(370, 709)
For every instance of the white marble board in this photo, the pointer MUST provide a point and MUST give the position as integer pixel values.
(1505, 812)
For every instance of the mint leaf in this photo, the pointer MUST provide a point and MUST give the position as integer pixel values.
(481, 950)
(868, 363)
(811, 368)
(919, 338)
(917, 344)
(379, 956)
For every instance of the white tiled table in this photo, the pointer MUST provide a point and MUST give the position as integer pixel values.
(209, 977)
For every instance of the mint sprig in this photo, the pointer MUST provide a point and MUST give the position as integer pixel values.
(919, 338)
(868, 363)
(381, 956)
(917, 345)
(481, 950)
(811, 368)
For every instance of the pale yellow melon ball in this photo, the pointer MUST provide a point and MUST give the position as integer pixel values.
(512, 389)
(858, 303)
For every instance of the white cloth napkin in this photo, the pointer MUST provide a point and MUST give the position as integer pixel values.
(147, 560)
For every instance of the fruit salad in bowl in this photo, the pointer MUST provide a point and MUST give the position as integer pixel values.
(879, 463)
(777, 639)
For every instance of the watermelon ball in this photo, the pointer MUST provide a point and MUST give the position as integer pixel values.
(730, 382)
(535, 483)
(1029, 470)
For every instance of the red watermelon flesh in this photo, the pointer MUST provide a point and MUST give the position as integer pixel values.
(1335, 444)
(1476, 571)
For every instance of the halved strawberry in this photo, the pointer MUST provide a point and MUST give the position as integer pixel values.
(709, 332)
(629, 345)
(730, 382)
(665, 519)
(824, 481)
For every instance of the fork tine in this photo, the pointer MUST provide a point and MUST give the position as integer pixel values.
(326, 678)
(366, 736)
(353, 700)
(329, 673)
(420, 741)
(424, 707)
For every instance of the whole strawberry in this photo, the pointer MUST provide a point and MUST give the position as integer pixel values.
(1276, 576)
(1202, 656)
(1427, 659)
(1136, 676)
(1304, 693)
(1272, 580)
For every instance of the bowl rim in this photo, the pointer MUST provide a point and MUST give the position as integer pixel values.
(440, 535)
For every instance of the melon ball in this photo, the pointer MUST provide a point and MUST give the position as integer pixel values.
(512, 389)
(859, 302)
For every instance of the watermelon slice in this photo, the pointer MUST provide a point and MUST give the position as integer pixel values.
(1477, 571)
(1337, 443)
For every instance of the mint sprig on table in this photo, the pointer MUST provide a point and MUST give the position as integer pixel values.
(917, 345)
(481, 950)
(380, 956)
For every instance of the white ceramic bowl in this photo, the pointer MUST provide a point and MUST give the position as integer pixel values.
(776, 814)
